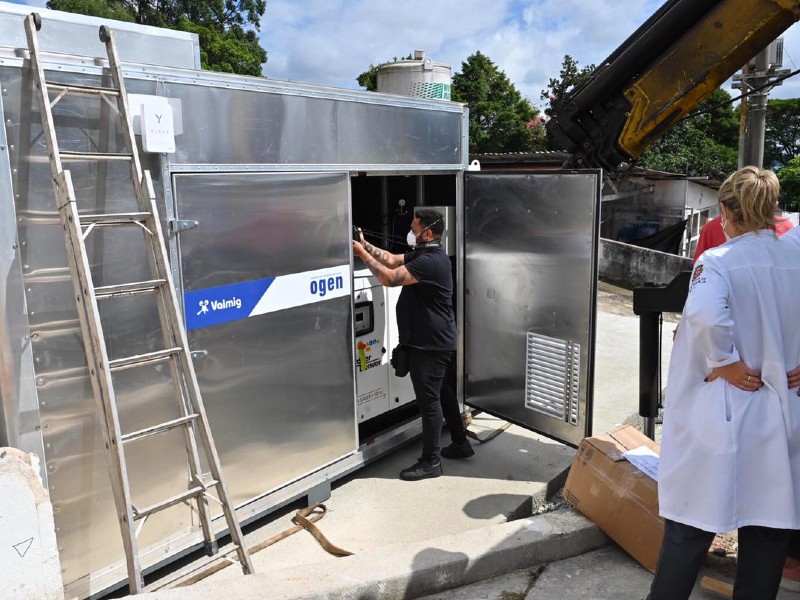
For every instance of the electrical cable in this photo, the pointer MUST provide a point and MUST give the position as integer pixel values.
(379, 234)
(772, 83)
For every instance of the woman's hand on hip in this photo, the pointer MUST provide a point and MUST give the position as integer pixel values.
(794, 378)
(739, 375)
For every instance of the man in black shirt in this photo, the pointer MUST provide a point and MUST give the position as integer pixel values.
(427, 327)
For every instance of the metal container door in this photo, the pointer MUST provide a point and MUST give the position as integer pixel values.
(267, 297)
(530, 288)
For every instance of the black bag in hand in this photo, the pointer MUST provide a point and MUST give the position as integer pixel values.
(400, 360)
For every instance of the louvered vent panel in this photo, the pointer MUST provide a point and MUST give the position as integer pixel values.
(552, 378)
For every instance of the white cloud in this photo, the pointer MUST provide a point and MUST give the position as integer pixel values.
(330, 42)
(34, 3)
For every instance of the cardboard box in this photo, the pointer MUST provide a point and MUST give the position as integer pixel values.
(617, 496)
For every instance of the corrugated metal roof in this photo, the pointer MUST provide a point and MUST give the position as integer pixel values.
(550, 157)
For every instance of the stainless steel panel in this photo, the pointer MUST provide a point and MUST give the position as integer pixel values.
(76, 470)
(531, 270)
(235, 126)
(20, 422)
(67, 33)
(278, 387)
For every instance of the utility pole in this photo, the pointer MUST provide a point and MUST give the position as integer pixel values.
(760, 75)
(746, 69)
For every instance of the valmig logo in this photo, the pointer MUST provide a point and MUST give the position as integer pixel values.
(218, 305)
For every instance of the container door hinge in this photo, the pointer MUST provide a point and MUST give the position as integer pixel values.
(178, 225)
(199, 354)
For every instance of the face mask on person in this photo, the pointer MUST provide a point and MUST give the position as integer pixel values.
(724, 231)
(411, 237)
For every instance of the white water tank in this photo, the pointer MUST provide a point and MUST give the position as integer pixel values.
(420, 77)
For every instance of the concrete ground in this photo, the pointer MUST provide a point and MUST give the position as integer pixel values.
(373, 508)
(616, 382)
(604, 574)
(412, 539)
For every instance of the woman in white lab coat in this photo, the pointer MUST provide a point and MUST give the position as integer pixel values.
(730, 453)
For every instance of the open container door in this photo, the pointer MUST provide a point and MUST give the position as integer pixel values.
(530, 289)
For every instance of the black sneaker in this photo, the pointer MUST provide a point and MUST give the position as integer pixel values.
(422, 469)
(463, 450)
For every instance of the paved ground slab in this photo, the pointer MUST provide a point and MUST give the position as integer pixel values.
(512, 586)
(415, 569)
(608, 574)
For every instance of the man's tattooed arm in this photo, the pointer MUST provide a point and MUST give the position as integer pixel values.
(388, 277)
(382, 255)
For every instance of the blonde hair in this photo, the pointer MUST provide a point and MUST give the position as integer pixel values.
(751, 197)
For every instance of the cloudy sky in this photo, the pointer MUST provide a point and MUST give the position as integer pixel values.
(331, 41)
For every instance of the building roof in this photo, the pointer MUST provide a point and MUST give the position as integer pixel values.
(548, 159)
(542, 158)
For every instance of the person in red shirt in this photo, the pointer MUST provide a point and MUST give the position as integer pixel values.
(712, 235)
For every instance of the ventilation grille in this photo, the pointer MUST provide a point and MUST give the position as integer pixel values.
(436, 91)
(552, 377)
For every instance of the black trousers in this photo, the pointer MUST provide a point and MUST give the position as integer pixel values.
(762, 552)
(436, 402)
(794, 545)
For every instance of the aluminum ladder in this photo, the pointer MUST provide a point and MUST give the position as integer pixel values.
(76, 228)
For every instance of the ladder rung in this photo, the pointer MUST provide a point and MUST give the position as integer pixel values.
(85, 90)
(114, 218)
(128, 289)
(176, 499)
(160, 428)
(143, 359)
(90, 156)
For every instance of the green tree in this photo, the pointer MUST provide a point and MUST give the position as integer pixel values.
(94, 8)
(704, 145)
(721, 121)
(789, 176)
(369, 78)
(500, 118)
(687, 150)
(570, 76)
(782, 135)
(228, 29)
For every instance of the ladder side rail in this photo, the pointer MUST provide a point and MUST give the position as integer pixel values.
(167, 298)
(44, 100)
(108, 38)
(91, 328)
(179, 383)
(101, 176)
(100, 376)
(146, 197)
(190, 443)
(192, 386)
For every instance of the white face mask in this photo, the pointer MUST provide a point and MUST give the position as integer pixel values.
(724, 224)
(411, 237)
